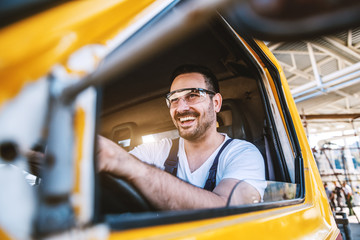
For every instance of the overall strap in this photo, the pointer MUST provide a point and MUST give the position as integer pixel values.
(211, 181)
(171, 163)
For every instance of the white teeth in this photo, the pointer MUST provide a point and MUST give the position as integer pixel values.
(186, 119)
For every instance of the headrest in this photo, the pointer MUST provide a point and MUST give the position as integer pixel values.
(238, 126)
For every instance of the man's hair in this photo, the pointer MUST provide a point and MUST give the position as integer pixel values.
(210, 79)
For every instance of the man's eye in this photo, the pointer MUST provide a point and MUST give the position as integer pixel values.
(193, 95)
(174, 100)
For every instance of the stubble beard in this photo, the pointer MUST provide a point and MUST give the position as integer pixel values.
(201, 128)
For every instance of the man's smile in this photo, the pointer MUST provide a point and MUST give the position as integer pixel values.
(186, 119)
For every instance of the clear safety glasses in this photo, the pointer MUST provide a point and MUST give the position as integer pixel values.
(189, 95)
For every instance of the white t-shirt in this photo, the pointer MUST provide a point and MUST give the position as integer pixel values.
(239, 160)
(347, 189)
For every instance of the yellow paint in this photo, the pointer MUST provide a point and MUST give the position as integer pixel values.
(315, 193)
(3, 235)
(309, 220)
(275, 93)
(267, 52)
(28, 50)
(313, 179)
(284, 223)
(31, 47)
(79, 129)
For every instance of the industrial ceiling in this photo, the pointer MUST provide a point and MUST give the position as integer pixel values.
(324, 77)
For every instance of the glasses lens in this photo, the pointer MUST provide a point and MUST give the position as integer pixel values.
(194, 97)
(190, 96)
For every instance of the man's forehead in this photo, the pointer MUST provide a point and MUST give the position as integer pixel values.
(188, 80)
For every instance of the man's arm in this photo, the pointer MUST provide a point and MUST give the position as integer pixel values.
(163, 190)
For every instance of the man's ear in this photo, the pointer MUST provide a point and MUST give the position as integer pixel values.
(217, 101)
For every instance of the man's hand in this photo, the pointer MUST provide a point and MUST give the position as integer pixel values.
(114, 159)
(108, 155)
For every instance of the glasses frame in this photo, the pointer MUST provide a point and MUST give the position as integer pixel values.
(167, 97)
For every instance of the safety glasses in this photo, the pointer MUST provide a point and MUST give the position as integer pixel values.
(189, 95)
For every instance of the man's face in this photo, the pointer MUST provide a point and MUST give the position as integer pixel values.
(193, 121)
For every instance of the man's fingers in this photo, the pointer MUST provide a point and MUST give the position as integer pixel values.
(106, 154)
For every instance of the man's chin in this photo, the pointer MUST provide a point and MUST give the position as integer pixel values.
(188, 135)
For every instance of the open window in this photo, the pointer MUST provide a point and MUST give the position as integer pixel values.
(251, 111)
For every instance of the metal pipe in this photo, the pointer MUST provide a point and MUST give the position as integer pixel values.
(328, 78)
(314, 66)
(342, 47)
(327, 86)
(332, 116)
(337, 74)
(328, 90)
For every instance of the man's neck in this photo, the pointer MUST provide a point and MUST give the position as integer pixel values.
(199, 150)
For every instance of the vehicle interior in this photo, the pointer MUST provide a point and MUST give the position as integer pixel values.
(133, 108)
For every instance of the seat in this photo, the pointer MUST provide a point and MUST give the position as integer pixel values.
(234, 121)
(238, 126)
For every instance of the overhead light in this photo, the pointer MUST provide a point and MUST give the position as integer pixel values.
(148, 138)
(340, 126)
(325, 128)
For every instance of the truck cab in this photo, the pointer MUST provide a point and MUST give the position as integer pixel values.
(105, 71)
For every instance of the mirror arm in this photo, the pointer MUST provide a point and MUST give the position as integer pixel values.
(186, 18)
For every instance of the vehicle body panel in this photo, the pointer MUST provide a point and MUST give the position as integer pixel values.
(51, 37)
(49, 43)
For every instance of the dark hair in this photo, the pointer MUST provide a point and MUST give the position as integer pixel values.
(210, 79)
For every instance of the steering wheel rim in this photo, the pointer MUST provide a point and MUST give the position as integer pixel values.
(119, 196)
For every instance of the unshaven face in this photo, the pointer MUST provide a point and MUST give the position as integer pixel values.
(192, 121)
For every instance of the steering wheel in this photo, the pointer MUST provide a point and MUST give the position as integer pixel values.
(118, 196)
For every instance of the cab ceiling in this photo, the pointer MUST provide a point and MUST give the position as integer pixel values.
(154, 76)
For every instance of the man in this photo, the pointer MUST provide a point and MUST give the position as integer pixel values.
(348, 197)
(338, 194)
(330, 196)
(194, 100)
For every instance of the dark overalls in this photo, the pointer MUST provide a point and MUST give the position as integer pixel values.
(171, 163)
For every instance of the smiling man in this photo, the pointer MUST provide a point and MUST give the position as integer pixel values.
(202, 166)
